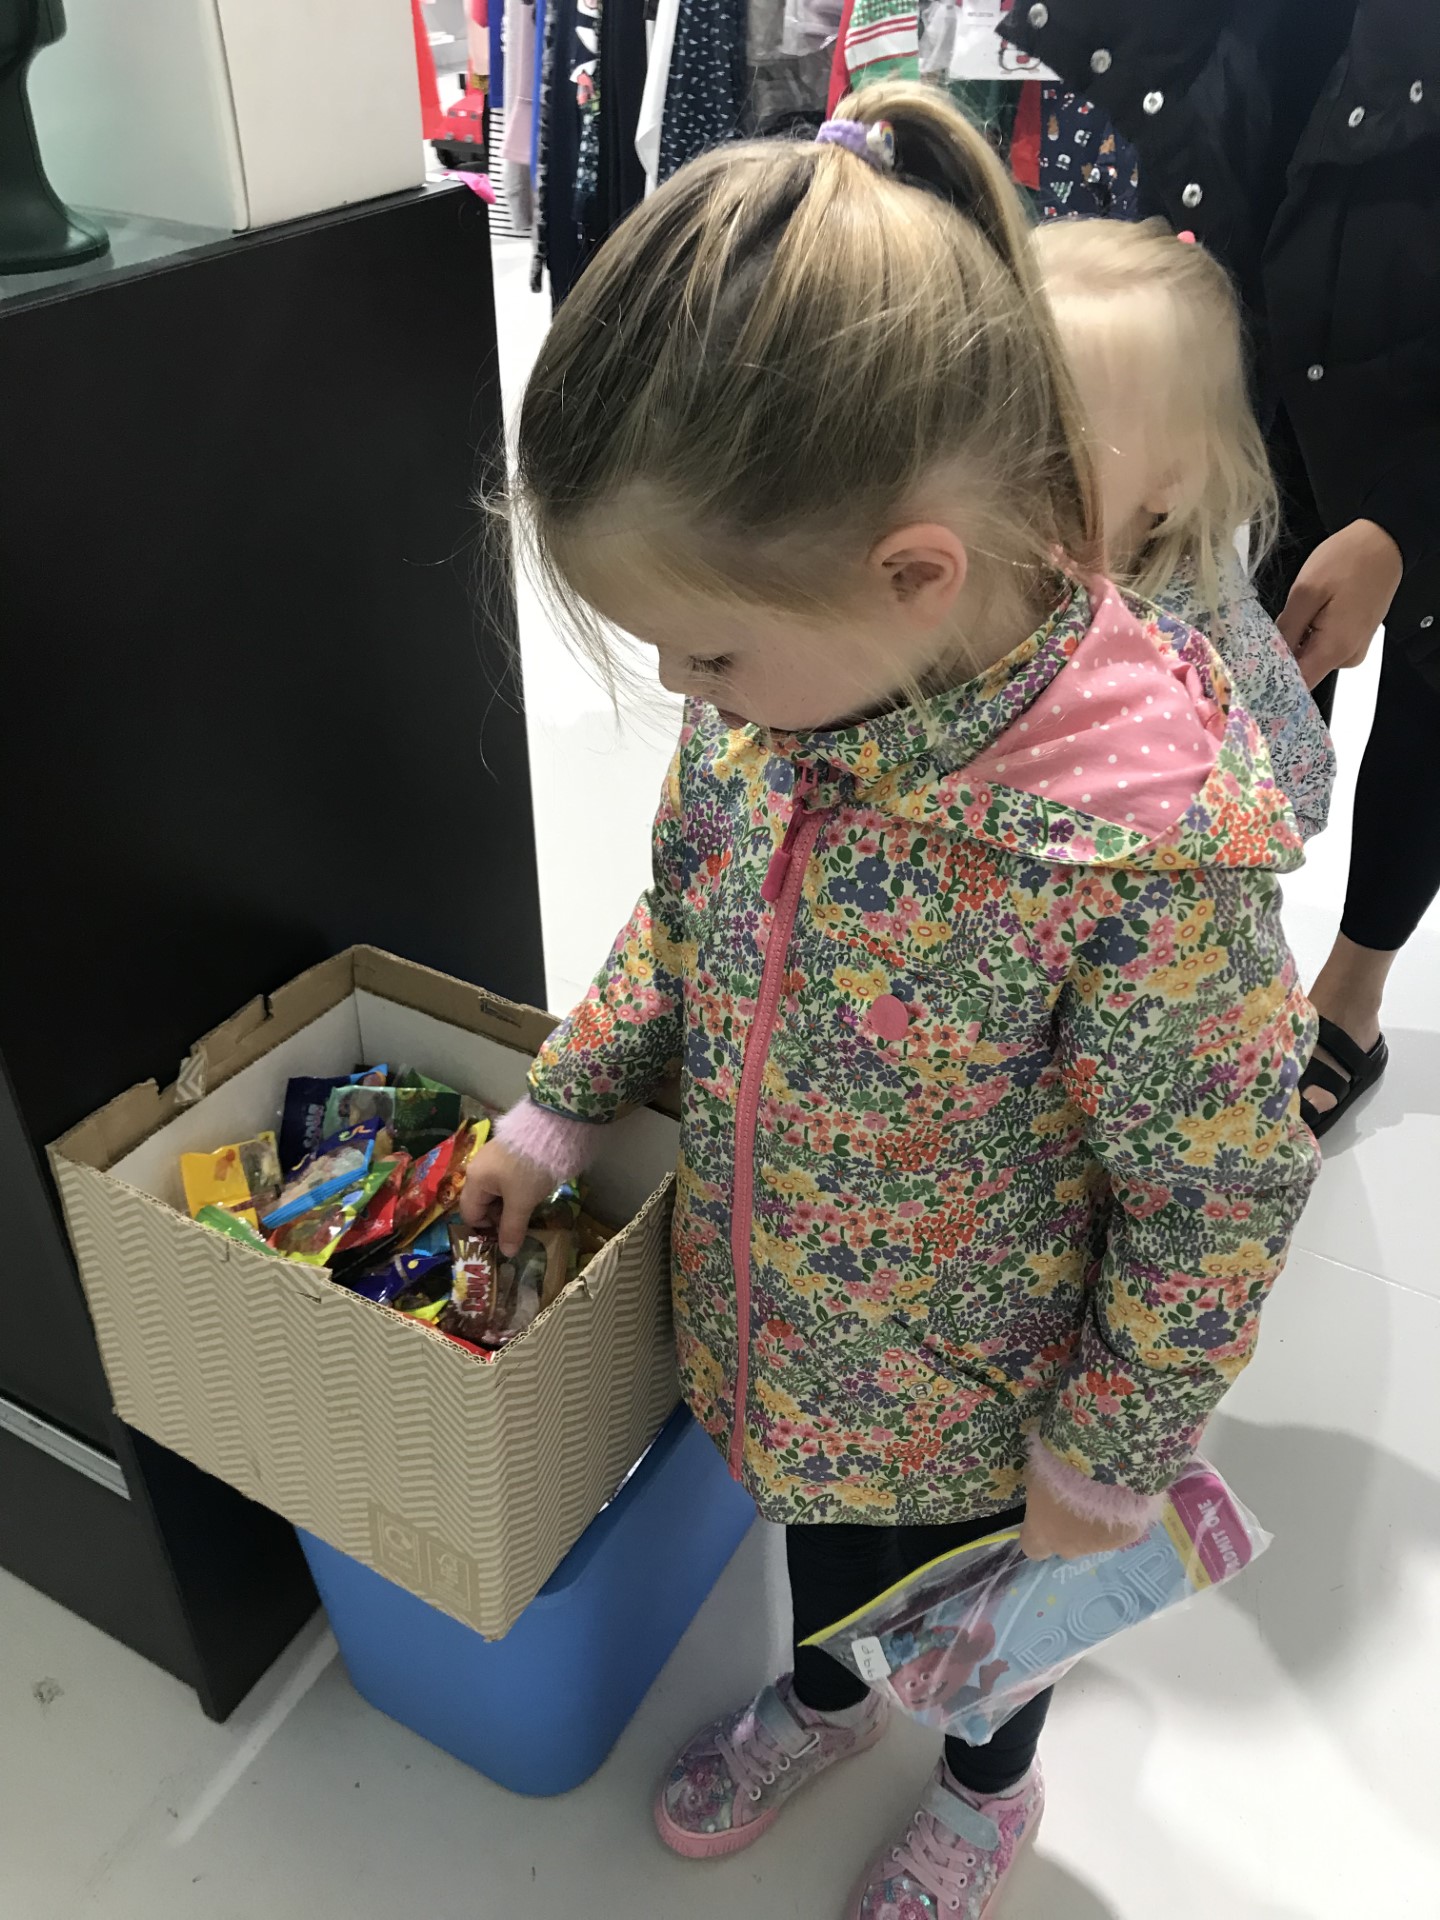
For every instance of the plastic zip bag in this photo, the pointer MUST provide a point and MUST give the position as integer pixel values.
(965, 1642)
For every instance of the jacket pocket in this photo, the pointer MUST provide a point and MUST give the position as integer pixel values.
(879, 1030)
(890, 1391)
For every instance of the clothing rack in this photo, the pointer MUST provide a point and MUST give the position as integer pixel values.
(626, 91)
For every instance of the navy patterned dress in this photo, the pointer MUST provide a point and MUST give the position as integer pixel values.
(707, 93)
(1087, 168)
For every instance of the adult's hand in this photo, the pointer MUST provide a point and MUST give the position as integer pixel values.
(1340, 597)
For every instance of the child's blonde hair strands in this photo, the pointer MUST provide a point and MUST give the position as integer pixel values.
(782, 349)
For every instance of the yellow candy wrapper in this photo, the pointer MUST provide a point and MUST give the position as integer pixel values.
(243, 1177)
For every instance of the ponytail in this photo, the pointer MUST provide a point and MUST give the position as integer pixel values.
(785, 349)
(940, 151)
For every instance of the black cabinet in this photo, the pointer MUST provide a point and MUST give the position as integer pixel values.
(261, 703)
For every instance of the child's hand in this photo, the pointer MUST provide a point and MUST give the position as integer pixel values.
(1055, 1532)
(502, 1189)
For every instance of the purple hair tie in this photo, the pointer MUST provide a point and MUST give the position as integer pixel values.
(869, 140)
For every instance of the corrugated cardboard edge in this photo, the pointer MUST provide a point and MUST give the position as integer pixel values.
(118, 1128)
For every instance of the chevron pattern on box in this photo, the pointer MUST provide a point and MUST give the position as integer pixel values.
(465, 1480)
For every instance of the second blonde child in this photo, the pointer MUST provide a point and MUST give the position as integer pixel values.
(1153, 333)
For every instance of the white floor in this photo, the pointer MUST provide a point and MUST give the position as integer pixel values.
(1266, 1757)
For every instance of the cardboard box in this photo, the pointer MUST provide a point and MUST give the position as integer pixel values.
(464, 1479)
(230, 113)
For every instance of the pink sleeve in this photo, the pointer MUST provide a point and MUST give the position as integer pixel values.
(550, 1141)
(1091, 1499)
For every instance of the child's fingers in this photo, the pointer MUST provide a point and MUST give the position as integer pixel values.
(514, 1223)
(478, 1199)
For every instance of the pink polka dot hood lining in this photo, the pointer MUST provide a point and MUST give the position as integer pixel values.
(1108, 738)
(1124, 733)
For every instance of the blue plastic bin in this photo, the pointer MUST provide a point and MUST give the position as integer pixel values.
(540, 1710)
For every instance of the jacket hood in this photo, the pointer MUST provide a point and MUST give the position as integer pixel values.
(1109, 738)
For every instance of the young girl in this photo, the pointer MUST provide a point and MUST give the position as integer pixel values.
(963, 932)
(1153, 333)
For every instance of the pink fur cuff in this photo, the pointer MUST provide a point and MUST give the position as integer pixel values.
(1091, 1499)
(550, 1141)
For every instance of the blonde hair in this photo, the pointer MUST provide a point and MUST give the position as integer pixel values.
(785, 344)
(1142, 311)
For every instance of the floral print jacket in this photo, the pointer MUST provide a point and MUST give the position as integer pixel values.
(989, 1040)
(1267, 680)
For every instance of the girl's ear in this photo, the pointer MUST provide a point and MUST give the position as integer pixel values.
(921, 570)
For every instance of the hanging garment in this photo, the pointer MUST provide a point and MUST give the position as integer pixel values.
(585, 76)
(705, 99)
(810, 25)
(788, 79)
(657, 81)
(537, 88)
(978, 53)
(493, 34)
(558, 248)
(764, 30)
(621, 181)
(1087, 168)
(787, 95)
(840, 65)
(881, 41)
(540, 162)
(519, 81)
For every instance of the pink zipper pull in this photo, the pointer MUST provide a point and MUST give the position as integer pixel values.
(779, 868)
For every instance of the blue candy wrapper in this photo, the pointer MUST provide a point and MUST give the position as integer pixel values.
(336, 1165)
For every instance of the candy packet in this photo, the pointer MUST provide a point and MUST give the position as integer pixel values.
(376, 1221)
(417, 1118)
(435, 1182)
(433, 1239)
(302, 1120)
(406, 1281)
(591, 1235)
(482, 1294)
(430, 1312)
(555, 1225)
(561, 1264)
(222, 1220)
(244, 1177)
(965, 1642)
(317, 1233)
(336, 1165)
(492, 1298)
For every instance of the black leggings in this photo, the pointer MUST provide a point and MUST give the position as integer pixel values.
(836, 1569)
(1395, 845)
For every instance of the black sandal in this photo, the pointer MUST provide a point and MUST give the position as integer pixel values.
(1363, 1070)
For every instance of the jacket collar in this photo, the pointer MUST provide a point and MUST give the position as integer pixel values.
(952, 728)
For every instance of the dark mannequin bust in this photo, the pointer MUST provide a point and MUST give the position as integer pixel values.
(38, 232)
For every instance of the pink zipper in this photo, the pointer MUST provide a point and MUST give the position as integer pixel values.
(783, 883)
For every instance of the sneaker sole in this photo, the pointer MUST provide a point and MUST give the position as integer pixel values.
(719, 1846)
(992, 1905)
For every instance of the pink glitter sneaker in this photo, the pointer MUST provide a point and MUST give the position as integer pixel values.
(732, 1782)
(955, 1857)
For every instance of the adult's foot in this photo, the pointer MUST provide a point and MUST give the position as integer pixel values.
(1349, 991)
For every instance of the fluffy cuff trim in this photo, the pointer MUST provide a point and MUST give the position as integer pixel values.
(550, 1141)
(1091, 1499)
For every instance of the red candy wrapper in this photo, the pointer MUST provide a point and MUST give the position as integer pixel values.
(377, 1222)
(435, 1182)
